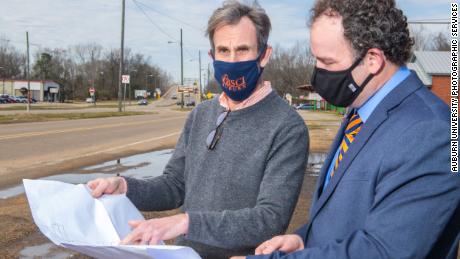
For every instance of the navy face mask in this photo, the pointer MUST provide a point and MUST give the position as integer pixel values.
(238, 79)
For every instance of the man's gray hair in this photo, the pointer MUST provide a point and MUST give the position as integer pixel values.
(231, 13)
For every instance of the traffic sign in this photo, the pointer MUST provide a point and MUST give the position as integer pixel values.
(125, 79)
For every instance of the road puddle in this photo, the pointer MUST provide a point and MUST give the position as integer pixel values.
(138, 166)
(315, 162)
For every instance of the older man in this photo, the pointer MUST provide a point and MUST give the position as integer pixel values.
(386, 190)
(238, 166)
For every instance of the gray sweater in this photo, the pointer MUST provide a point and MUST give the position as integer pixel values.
(241, 193)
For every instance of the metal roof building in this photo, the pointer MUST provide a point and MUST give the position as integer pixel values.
(430, 63)
(433, 68)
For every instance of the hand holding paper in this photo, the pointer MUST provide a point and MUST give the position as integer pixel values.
(69, 216)
(109, 185)
(153, 230)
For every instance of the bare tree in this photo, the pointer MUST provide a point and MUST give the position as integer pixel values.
(440, 42)
(290, 68)
(11, 60)
(420, 36)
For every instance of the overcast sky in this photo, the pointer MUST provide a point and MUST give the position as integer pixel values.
(150, 24)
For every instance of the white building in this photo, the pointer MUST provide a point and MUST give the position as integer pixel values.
(39, 90)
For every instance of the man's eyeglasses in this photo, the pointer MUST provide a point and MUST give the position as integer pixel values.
(214, 136)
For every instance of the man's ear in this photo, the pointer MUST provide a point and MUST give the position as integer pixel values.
(266, 56)
(374, 61)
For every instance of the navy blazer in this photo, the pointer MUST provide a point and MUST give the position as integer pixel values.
(393, 194)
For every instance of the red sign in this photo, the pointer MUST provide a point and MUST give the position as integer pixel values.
(92, 90)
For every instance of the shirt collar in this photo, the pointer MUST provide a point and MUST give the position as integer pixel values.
(369, 106)
(254, 98)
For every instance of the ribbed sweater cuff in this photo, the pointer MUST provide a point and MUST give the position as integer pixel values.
(194, 226)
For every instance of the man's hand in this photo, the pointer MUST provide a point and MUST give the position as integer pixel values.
(110, 185)
(285, 243)
(150, 232)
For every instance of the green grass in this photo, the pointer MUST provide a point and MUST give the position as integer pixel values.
(185, 109)
(58, 107)
(22, 118)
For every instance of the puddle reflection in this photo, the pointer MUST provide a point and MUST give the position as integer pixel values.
(138, 166)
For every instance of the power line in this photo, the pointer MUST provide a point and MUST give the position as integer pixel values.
(169, 16)
(18, 42)
(188, 52)
(151, 21)
(137, 3)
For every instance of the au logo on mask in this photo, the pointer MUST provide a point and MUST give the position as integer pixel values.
(233, 85)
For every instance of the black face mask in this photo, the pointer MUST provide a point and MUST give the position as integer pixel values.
(338, 87)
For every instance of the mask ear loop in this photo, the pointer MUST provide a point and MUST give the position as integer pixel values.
(262, 53)
(211, 54)
(354, 65)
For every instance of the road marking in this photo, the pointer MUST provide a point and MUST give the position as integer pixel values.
(31, 134)
(115, 148)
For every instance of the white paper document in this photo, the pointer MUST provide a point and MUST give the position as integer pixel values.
(69, 216)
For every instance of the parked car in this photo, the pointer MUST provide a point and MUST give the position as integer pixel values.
(143, 102)
(11, 100)
(6, 98)
(305, 106)
(190, 103)
(21, 99)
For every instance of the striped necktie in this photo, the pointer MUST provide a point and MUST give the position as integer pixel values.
(353, 128)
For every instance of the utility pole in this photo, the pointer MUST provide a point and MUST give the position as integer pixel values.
(181, 60)
(209, 71)
(94, 87)
(199, 62)
(28, 72)
(181, 70)
(3, 79)
(121, 54)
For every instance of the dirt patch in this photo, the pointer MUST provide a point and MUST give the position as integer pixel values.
(322, 128)
(18, 230)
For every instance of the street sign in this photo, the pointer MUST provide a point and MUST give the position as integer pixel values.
(185, 89)
(125, 79)
(92, 90)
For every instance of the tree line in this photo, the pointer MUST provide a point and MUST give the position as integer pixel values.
(81, 66)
